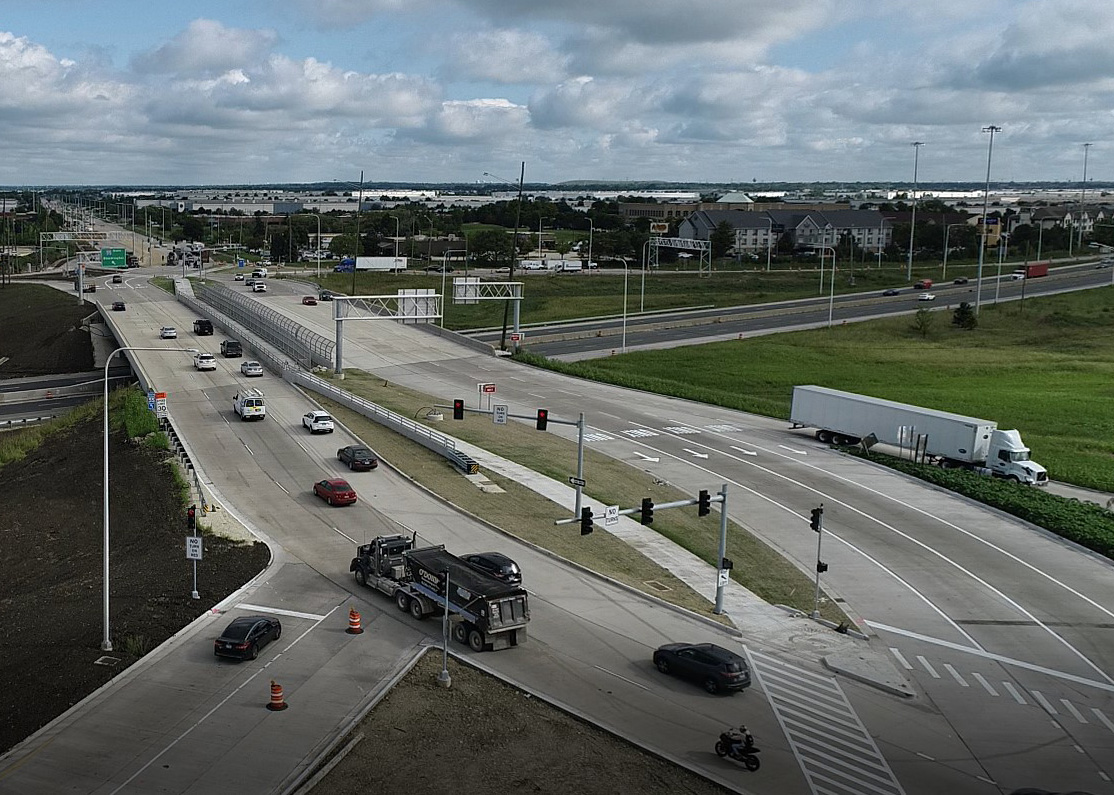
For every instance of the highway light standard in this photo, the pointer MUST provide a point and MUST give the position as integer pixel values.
(947, 230)
(985, 205)
(106, 642)
(318, 217)
(913, 224)
(514, 247)
(359, 207)
(832, 289)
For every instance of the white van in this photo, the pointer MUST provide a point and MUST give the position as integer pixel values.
(259, 273)
(569, 266)
(249, 404)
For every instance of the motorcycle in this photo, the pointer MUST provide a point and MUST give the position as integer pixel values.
(730, 745)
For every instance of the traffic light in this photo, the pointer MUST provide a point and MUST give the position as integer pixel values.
(191, 517)
(821, 567)
(647, 511)
(703, 503)
(458, 409)
(585, 521)
(815, 524)
(543, 419)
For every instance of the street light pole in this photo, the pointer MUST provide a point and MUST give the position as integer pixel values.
(947, 232)
(318, 217)
(832, 288)
(913, 224)
(985, 206)
(396, 236)
(514, 250)
(359, 206)
(1083, 195)
(591, 230)
(106, 640)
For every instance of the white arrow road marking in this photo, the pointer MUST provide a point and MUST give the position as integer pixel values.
(790, 449)
(648, 458)
(744, 452)
(696, 454)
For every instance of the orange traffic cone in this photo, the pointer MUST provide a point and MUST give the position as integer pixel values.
(354, 627)
(277, 702)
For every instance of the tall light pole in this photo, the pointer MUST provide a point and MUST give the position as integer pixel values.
(514, 249)
(985, 207)
(769, 240)
(106, 640)
(359, 206)
(1083, 195)
(832, 289)
(645, 267)
(318, 217)
(396, 236)
(591, 230)
(947, 231)
(913, 223)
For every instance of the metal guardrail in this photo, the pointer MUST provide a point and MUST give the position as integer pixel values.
(25, 421)
(426, 437)
(305, 347)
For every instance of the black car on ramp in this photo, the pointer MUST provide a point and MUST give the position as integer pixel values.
(245, 636)
(717, 669)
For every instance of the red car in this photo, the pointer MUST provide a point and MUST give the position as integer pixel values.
(309, 300)
(335, 491)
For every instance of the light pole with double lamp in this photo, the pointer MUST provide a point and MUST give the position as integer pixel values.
(514, 246)
(913, 223)
(947, 231)
(985, 207)
(832, 289)
(106, 641)
(318, 217)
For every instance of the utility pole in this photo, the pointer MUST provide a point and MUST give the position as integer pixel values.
(913, 224)
(985, 205)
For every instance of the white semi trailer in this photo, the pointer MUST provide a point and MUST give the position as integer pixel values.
(950, 440)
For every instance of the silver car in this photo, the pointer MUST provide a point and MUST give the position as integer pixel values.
(168, 333)
(251, 368)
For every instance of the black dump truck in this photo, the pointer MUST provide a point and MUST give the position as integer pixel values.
(485, 613)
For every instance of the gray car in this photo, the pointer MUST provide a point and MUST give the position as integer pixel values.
(251, 368)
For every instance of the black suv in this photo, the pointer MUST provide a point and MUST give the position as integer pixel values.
(716, 668)
(230, 349)
(497, 565)
(203, 327)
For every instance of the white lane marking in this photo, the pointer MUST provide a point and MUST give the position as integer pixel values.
(744, 451)
(1013, 692)
(647, 458)
(248, 449)
(342, 534)
(982, 681)
(955, 675)
(219, 704)
(861, 552)
(617, 676)
(695, 454)
(904, 663)
(1074, 712)
(1051, 710)
(996, 657)
(790, 449)
(281, 487)
(1105, 721)
(928, 666)
(1016, 559)
(278, 611)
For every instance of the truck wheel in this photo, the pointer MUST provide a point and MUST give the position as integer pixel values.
(402, 600)
(824, 436)
(460, 632)
(361, 576)
(1014, 479)
(476, 640)
(416, 609)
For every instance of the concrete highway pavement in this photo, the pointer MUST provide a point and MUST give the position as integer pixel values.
(935, 575)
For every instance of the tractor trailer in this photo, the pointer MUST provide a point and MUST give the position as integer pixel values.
(485, 613)
(950, 440)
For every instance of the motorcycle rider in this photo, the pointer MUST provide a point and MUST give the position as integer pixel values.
(741, 739)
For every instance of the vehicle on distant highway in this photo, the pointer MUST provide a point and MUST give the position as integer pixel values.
(357, 457)
(926, 297)
(259, 286)
(309, 300)
(230, 349)
(923, 284)
(317, 422)
(203, 327)
(168, 333)
(117, 278)
(497, 565)
(119, 306)
(251, 368)
(717, 669)
(245, 636)
(239, 277)
(891, 292)
(960, 280)
(205, 361)
(335, 491)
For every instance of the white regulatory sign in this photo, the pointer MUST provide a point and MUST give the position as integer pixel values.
(160, 406)
(724, 576)
(193, 547)
(499, 413)
(611, 515)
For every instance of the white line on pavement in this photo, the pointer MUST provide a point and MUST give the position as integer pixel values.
(1051, 710)
(1013, 692)
(984, 683)
(955, 675)
(904, 663)
(1075, 713)
(928, 666)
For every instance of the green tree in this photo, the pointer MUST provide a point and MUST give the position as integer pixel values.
(723, 238)
(490, 248)
(923, 321)
(964, 317)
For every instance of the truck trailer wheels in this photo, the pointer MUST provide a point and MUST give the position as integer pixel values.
(361, 576)
(460, 632)
(476, 640)
(416, 609)
(403, 601)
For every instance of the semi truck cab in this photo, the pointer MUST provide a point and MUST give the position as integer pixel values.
(1008, 457)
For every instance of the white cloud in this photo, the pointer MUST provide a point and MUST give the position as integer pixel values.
(503, 56)
(207, 47)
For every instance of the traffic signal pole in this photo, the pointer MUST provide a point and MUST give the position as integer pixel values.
(724, 572)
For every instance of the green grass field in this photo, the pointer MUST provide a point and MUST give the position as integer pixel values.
(1045, 368)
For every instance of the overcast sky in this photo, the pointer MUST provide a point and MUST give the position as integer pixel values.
(258, 91)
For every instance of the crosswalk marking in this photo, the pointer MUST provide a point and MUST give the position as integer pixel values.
(904, 663)
(681, 429)
(636, 433)
(928, 666)
(1013, 692)
(956, 675)
(833, 748)
(1051, 710)
(982, 681)
(596, 436)
(722, 428)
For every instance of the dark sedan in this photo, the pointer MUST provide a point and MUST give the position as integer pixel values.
(892, 292)
(357, 457)
(960, 280)
(717, 669)
(244, 637)
(497, 565)
(119, 306)
(335, 491)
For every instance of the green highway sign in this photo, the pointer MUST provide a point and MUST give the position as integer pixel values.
(114, 258)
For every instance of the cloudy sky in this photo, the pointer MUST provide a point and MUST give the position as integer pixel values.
(256, 91)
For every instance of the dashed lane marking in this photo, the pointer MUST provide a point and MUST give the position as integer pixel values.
(1074, 712)
(928, 667)
(904, 663)
(956, 675)
(1051, 710)
(1013, 692)
(982, 681)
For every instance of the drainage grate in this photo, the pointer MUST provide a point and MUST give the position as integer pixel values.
(657, 586)
(106, 660)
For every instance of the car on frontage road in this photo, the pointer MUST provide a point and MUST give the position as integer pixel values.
(251, 368)
(309, 300)
(892, 292)
(926, 297)
(205, 361)
(119, 306)
(245, 636)
(168, 333)
(357, 457)
(335, 491)
(717, 669)
(497, 565)
(317, 422)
